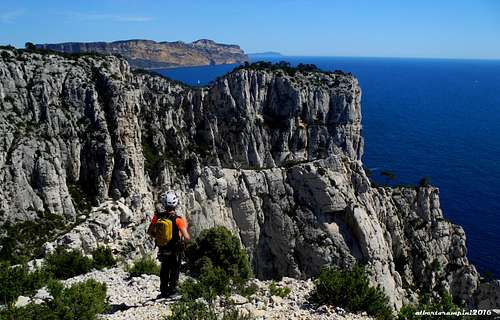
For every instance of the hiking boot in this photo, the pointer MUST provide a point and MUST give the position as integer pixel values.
(174, 295)
(163, 296)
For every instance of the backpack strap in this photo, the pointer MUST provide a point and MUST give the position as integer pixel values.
(160, 214)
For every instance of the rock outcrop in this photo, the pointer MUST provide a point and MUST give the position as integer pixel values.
(273, 156)
(148, 54)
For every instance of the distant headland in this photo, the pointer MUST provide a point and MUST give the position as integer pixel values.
(148, 54)
(265, 54)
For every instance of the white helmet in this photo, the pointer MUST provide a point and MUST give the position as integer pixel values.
(169, 199)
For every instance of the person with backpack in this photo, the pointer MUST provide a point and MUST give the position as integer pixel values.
(169, 230)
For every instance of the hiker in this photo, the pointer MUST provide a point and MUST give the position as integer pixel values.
(169, 231)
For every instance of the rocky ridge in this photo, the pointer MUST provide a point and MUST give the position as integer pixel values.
(148, 54)
(273, 156)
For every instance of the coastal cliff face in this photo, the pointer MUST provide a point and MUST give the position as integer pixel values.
(273, 156)
(148, 54)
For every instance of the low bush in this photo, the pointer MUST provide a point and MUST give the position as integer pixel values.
(389, 176)
(189, 309)
(426, 303)
(232, 313)
(82, 300)
(18, 280)
(21, 242)
(144, 265)
(275, 290)
(219, 263)
(220, 267)
(102, 257)
(212, 281)
(424, 182)
(80, 199)
(66, 264)
(351, 289)
(192, 310)
(282, 65)
(5, 55)
(61, 264)
(29, 312)
(248, 290)
(223, 250)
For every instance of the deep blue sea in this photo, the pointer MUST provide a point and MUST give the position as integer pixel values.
(426, 117)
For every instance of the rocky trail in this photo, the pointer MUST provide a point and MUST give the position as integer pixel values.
(136, 298)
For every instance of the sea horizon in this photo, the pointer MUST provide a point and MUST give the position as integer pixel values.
(374, 57)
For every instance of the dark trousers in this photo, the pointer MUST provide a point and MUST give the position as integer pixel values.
(169, 271)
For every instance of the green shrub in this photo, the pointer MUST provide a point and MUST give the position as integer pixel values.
(102, 257)
(66, 264)
(190, 289)
(198, 310)
(407, 312)
(424, 182)
(248, 290)
(223, 250)
(5, 55)
(426, 303)
(278, 291)
(389, 176)
(80, 200)
(231, 313)
(144, 265)
(152, 160)
(191, 310)
(22, 241)
(35, 280)
(212, 281)
(219, 263)
(12, 282)
(30, 46)
(29, 312)
(18, 281)
(82, 300)
(487, 277)
(350, 289)
(282, 65)
(221, 266)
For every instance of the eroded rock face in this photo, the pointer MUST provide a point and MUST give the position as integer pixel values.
(273, 157)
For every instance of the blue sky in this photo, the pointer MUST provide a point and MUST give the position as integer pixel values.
(385, 28)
